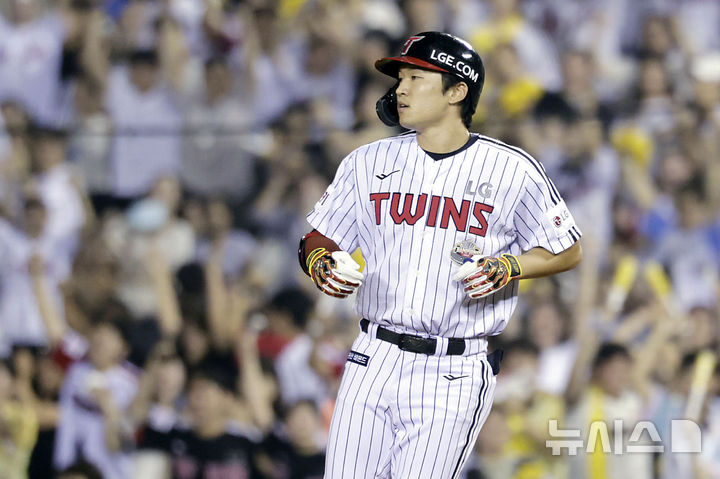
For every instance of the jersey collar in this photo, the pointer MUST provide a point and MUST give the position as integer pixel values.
(441, 156)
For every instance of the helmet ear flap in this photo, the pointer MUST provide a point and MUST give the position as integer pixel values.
(386, 107)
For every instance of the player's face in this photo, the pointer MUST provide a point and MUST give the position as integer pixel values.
(420, 99)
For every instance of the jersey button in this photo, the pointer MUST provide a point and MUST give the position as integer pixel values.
(410, 311)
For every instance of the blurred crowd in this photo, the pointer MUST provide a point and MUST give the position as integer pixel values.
(157, 161)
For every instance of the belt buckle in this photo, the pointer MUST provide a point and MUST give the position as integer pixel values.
(413, 344)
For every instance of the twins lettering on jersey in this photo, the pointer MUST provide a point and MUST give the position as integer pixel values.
(436, 210)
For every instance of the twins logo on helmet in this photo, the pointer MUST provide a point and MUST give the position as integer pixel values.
(409, 42)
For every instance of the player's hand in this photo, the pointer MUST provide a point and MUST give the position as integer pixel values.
(335, 274)
(482, 276)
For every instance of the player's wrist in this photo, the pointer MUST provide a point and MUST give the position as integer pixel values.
(314, 256)
(314, 268)
(513, 265)
(334, 273)
(310, 243)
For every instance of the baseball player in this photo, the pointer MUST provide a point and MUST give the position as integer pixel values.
(447, 222)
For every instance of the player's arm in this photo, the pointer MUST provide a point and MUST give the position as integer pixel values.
(483, 276)
(332, 270)
(546, 232)
(539, 262)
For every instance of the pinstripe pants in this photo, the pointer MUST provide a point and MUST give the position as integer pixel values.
(405, 415)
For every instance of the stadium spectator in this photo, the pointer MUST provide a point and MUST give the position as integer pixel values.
(210, 444)
(296, 451)
(39, 376)
(219, 152)
(31, 56)
(93, 400)
(18, 427)
(142, 108)
(57, 188)
(234, 246)
(33, 266)
(288, 315)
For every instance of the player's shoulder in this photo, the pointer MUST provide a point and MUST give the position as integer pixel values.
(511, 153)
(384, 145)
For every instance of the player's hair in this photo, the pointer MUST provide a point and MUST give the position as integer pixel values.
(467, 107)
(609, 351)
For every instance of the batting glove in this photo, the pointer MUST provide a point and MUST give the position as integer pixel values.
(335, 274)
(482, 276)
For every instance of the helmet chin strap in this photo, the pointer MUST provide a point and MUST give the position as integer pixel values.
(386, 107)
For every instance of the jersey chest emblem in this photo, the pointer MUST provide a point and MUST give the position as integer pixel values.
(463, 251)
(432, 211)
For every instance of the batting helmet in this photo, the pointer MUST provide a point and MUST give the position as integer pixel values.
(434, 51)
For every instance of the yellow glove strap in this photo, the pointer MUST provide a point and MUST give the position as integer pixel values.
(313, 257)
(513, 265)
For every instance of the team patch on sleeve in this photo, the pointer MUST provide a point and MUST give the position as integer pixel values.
(561, 219)
(320, 205)
(358, 358)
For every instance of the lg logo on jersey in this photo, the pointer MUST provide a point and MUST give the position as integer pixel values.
(431, 205)
(558, 219)
(484, 189)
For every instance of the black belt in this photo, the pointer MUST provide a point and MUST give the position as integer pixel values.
(415, 344)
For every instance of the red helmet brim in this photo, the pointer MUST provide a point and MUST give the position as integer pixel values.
(391, 65)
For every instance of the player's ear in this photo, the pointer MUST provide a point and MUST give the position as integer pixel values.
(457, 93)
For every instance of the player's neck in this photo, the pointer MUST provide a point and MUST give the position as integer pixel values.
(443, 138)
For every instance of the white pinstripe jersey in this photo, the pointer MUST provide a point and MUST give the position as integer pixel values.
(407, 210)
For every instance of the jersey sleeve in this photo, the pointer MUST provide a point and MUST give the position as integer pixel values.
(541, 217)
(334, 215)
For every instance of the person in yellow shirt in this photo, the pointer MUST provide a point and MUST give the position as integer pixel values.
(506, 26)
(18, 428)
